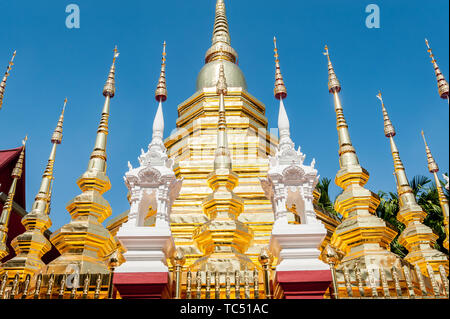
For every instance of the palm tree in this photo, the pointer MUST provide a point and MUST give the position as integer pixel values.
(427, 197)
(324, 200)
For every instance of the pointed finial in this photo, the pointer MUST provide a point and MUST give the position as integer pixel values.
(161, 89)
(57, 134)
(389, 130)
(222, 82)
(443, 86)
(5, 77)
(280, 89)
(110, 89)
(18, 169)
(334, 85)
(221, 40)
(432, 165)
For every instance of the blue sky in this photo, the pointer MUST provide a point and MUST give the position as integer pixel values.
(53, 62)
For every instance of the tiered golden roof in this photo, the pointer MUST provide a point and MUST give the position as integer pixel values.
(7, 207)
(417, 238)
(5, 77)
(32, 244)
(84, 241)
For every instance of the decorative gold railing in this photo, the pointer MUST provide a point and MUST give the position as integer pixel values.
(214, 285)
(91, 286)
(405, 283)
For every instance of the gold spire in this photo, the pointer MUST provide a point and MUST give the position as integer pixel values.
(161, 89)
(443, 87)
(32, 244)
(280, 89)
(417, 238)
(347, 153)
(222, 157)
(221, 48)
(97, 161)
(363, 237)
(5, 77)
(223, 239)
(7, 207)
(84, 241)
(434, 169)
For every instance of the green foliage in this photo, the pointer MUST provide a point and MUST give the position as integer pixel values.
(324, 200)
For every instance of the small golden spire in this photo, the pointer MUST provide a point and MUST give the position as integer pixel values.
(389, 129)
(334, 85)
(280, 89)
(98, 155)
(5, 77)
(222, 157)
(443, 201)
(161, 89)
(432, 166)
(443, 87)
(7, 207)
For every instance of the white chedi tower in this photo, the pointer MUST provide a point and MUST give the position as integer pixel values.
(290, 185)
(153, 187)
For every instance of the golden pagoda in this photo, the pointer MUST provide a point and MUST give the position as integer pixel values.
(193, 146)
(223, 209)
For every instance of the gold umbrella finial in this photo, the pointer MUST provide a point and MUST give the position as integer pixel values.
(5, 77)
(57, 134)
(110, 89)
(389, 130)
(432, 165)
(280, 90)
(161, 88)
(334, 86)
(443, 87)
